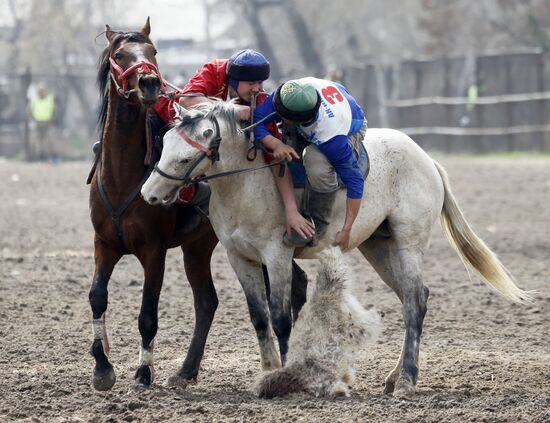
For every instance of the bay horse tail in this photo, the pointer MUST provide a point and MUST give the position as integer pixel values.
(473, 252)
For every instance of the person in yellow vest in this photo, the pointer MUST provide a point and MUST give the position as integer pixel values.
(42, 108)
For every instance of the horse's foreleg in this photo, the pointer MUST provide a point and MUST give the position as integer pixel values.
(401, 269)
(103, 377)
(280, 278)
(153, 264)
(250, 277)
(196, 258)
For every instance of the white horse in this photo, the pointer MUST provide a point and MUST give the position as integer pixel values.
(405, 194)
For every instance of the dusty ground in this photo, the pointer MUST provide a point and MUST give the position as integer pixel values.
(482, 358)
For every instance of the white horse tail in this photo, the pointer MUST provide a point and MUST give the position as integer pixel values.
(472, 250)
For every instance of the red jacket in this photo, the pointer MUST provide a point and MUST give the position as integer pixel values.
(211, 81)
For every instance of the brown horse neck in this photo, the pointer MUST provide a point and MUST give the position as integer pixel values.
(124, 145)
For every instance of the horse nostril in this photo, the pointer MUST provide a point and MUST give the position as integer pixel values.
(153, 200)
(149, 82)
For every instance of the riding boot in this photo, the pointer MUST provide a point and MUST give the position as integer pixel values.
(319, 209)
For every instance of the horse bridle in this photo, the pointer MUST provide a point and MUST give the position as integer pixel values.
(143, 67)
(212, 152)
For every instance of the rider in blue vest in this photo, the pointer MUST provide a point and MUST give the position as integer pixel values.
(333, 124)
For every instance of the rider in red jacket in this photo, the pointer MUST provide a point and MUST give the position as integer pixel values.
(225, 79)
(238, 78)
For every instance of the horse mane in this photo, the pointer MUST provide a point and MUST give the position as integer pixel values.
(208, 110)
(104, 67)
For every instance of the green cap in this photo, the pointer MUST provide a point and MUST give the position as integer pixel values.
(298, 97)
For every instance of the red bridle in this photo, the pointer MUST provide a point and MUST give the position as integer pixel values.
(192, 143)
(143, 67)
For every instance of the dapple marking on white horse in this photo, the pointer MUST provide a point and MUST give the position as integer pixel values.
(406, 192)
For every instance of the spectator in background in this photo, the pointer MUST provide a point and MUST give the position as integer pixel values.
(471, 96)
(42, 111)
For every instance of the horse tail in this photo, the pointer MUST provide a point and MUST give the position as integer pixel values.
(473, 252)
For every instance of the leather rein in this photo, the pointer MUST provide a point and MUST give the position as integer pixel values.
(212, 152)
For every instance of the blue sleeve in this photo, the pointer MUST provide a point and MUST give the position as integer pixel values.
(263, 110)
(340, 155)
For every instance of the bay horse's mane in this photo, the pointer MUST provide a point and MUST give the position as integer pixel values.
(104, 67)
(207, 110)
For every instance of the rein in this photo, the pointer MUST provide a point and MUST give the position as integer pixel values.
(188, 180)
(212, 153)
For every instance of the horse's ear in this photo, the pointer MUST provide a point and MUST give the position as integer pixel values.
(180, 110)
(109, 33)
(146, 30)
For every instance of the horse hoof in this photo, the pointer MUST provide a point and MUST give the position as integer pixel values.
(177, 381)
(269, 365)
(389, 387)
(140, 386)
(404, 389)
(143, 377)
(103, 381)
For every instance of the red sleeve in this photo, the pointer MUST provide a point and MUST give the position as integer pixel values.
(164, 108)
(208, 79)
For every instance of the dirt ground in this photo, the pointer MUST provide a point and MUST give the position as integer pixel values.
(482, 358)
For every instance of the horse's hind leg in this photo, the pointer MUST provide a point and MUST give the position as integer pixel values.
(103, 377)
(196, 258)
(250, 277)
(152, 261)
(400, 266)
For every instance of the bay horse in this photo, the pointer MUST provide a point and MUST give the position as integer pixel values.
(130, 83)
(405, 194)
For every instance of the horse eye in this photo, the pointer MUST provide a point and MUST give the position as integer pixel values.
(118, 56)
(155, 52)
(184, 161)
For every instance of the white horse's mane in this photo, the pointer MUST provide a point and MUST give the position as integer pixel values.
(207, 110)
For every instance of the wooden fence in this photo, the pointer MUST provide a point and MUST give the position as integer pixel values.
(428, 100)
